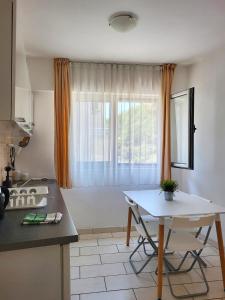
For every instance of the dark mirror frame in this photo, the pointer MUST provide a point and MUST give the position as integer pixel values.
(191, 132)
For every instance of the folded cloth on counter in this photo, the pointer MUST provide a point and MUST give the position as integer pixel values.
(34, 219)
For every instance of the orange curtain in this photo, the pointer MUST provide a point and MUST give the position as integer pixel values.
(167, 78)
(62, 120)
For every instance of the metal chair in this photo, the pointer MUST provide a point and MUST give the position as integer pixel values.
(199, 230)
(204, 199)
(178, 239)
(146, 232)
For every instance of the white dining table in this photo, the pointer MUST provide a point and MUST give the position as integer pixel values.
(154, 203)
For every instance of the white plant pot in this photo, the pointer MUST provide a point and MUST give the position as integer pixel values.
(168, 196)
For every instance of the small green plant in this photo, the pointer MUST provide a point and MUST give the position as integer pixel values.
(169, 185)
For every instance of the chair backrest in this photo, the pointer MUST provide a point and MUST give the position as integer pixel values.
(134, 208)
(192, 222)
(140, 224)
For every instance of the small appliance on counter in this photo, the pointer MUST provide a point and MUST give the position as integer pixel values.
(7, 182)
(4, 200)
(11, 173)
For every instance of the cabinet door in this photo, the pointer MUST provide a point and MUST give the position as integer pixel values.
(6, 54)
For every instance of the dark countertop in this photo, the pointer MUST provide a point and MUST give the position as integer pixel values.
(14, 236)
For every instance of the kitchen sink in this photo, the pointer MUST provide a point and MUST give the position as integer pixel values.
(27, 197)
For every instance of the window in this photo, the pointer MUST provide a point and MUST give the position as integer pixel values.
(136, 133)
(114, 136)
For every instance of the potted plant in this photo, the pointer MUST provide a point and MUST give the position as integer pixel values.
(169, 187)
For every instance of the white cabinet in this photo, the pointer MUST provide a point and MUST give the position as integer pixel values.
(40, 273)
(7, 50)
(16, 99)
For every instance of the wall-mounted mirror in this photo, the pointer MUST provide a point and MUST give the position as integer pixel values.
(182, 129)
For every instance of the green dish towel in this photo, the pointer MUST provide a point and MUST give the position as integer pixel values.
(35, 219)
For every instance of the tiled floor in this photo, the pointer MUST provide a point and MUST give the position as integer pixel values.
(100, 270)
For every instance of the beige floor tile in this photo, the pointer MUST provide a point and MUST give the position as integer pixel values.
(74, 251)
(129, 281)
(212, 274)
(209, 251)
(77, 261)
(73, 244)
(98, 250)
(143, 255)
(124, 248)
(115, 267)
(134, 234)
(124, 234)
(107, 229)
(74, 273)
(88, 285)
(212, 243)
(150, 251)
(151, 293)
(85, 231)
(187, 263)
(113, 295)
(182, 278)
(151, 266)
(118, 257)
(85, 243)
(102, 270)
(213, 260)
(132, 246)
(114, 241)
(119, 234)
(215, 290)
(174, 255)
(95, 236)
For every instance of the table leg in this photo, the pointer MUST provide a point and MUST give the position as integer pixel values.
(221, 247)
(129, 225)
(160, 259)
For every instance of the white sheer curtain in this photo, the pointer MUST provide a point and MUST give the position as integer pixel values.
(115, 129)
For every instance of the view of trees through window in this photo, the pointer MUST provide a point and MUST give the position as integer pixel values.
(125, 134)
(136, 133)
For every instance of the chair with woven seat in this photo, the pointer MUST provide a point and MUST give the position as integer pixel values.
(179, 239)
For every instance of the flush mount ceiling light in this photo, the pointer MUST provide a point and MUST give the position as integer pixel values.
(123, 22)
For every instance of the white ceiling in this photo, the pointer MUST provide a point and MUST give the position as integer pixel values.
(167, 30)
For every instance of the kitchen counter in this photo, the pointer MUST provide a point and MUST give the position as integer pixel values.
(14, 236)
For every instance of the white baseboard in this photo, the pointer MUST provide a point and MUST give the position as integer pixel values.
(103, 230)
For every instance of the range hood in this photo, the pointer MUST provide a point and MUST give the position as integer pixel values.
(14, 129)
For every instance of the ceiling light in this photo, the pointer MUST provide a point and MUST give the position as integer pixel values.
(123, 22)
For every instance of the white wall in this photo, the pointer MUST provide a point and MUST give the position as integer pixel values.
(208, 177)
(38, 157)
(41, 73)
(98, 207)
(180, 80)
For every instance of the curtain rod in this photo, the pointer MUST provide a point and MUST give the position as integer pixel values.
(117, 63)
